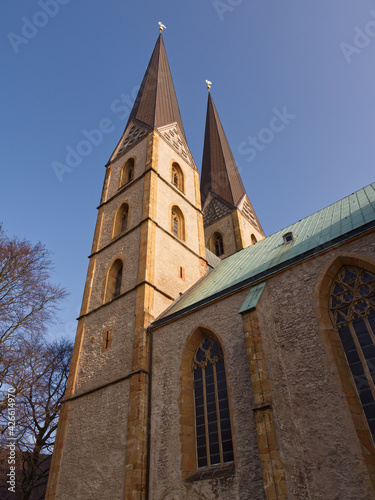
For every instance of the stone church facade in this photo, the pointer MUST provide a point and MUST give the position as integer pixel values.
(211, 361)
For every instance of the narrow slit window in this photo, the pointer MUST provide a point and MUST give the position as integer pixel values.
(107, 339)
(212, 419)
(181, 272)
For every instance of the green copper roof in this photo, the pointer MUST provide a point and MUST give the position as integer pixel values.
(328, 227)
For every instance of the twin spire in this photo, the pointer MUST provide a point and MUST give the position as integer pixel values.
(219, 170)
(156, 106)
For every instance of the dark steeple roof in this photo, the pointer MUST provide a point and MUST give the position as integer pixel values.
(156, 104)
(219, 170)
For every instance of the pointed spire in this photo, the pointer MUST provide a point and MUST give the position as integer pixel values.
(219, 170)
(156, 103)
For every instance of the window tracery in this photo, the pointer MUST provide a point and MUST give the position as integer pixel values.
(212, 419)
(352, 310)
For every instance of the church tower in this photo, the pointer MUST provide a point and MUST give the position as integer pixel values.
(230, 223)
(148, 248)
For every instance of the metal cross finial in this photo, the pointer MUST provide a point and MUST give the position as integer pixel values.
(161, 27)
(208, 84)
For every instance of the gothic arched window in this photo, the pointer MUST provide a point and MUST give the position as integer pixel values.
(177, 223)
(120, 223)
(114, 281)
(177, 176)
(127, 172)
(212, 419)
(352, 309)
(253, 239)
(218, 244)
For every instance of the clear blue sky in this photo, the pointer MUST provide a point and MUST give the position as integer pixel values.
(261, 55)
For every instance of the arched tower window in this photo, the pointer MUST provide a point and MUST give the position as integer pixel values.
(253, 239)
(120, 222)
(114, 281)
(177, 176)
(217, 244)
(127, 172)
(352, 310)
(212, 419)
(177, 223)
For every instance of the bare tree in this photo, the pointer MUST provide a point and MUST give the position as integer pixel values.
(28, 301)
(35, 371)
(37, 410)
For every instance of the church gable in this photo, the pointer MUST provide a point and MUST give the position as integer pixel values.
(215, 208)
(248, 212)
(134, 132)
(174, 137)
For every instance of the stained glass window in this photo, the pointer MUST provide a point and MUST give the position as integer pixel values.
(352, 308)
(212, 420)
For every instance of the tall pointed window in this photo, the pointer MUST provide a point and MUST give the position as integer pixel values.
(120, 223)
(114, 281)
(352, 309)
(177, 223)
(177, 176)
(212, 420)
(218, 245)
(127, 172)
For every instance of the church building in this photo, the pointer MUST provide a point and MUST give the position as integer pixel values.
(211, 361)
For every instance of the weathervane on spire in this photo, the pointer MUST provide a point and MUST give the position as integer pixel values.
(161, 27)
(208, 84)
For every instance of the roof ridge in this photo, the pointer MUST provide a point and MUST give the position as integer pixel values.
(372, 184)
